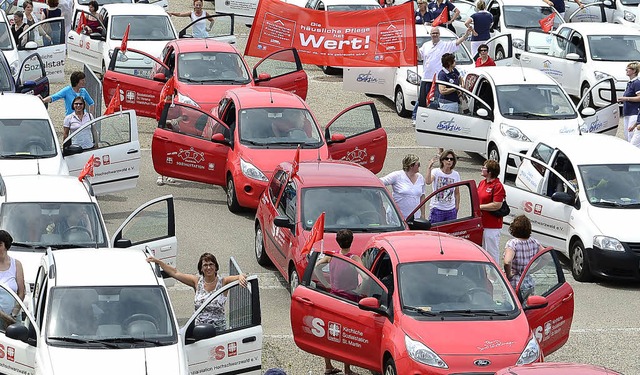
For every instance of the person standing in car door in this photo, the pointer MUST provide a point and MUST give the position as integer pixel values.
(630, 100)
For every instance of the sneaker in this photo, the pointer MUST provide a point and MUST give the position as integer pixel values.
(160, 181)
(169, 180)
(413, 123)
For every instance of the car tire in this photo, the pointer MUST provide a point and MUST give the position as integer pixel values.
(390, 367)
(232, 197)
(329, 70)
(499, 53)
(583, 92)
(261, 255)
(493, 153)
(580, 262)
(398, 100)
(294, 279)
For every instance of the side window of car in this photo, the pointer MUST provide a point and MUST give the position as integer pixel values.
(355, 121)
(9, 314)
(276, 185)
(152, 223)
(134, 64)
(231, 310)
(543, 153)
(193, 122)
(542, 277)
(112, 130)
(278, 64)
(446, 200)
(287, 205)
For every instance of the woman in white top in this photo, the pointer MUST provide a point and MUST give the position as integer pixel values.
(75, 121)
(408, 186)
(444, 206)
(11, 276)
(200, 29)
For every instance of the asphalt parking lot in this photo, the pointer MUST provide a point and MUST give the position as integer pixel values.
(606, 324)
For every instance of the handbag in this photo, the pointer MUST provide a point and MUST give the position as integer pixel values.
(503, 211)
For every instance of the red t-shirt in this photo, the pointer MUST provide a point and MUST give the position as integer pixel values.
(489, 62)
(491, 192)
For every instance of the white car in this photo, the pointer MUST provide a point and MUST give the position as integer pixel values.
(402, 84)
(578, 55)
(622, 12)
(582, 197)
(30, 145)
(508, 109)
(151, 29)
(107, 311)
(509, 17)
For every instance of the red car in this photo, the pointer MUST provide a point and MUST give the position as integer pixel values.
(430, 303)
(352, 198)
(204, 69)
(556, 369)
(257, 129)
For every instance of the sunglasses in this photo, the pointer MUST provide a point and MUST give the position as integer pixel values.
(483, 50)
(78, 103)
(448, 159)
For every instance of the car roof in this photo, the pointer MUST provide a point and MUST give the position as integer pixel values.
(29, 188)
(202, 45)
(603, 149)
(102, 267)
(421, 246)
(265, 97)
(350, 2)
(424, 30)
(605, 28)
(524, 2)
(128, 9)
(509, 75)
(334, 173)
(13, 105)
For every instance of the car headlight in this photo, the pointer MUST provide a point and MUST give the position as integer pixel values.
(413, 77)
(629, 16)
(421, 353)
(518, 43)
(513, 133)
(607, 243)
(530, 354)
(187, 100)
(251, 171)
(600, 75)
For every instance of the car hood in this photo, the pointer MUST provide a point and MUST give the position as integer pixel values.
(207, 96)
(497, 337)
(46, 166)
(163, 360)
(607, 220)
(534, 129)
(613, 68)
(267, 159)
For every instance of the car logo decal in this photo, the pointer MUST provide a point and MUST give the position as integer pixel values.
(482, 362)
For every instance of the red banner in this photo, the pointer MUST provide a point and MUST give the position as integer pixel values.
(547, 23)
(374, 38)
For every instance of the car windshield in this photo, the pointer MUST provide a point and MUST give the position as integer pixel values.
(630, 2)
(215, 68)
(348, 8)
(612, 185)
(26, 139)
(614, 47)
(142, 27)
(109, 316)
(6, 39)
(534, 102)
(361, 209)
(35, 226)
(281, 127)
(462, 56)
(453, 286)
(528, 17)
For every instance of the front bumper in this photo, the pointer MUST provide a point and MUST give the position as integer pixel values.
(248, 191)
(615, 264)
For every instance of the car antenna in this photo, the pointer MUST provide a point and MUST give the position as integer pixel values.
(38, 165)
(524, 78)
(271, 95)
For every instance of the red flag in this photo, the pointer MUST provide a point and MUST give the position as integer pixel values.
(296, 163)
(114, 103)
(87, 170)
(317, 234)
(442, 18)
(81, 23)
(547, 23)
(432, 91)
(167, 91)
(125, 39)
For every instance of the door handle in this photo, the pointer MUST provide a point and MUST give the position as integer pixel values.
(378, 138)
(111, 79)
(248, 339)
(306, 301)
(132, 152)
(162, 138)
(165, 248)
(525, 59)
(70, 38)
(299, 79)
(567, 297)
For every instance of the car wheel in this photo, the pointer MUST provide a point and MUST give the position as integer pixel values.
(390, 367)
(586, 95)
(232, 198)
(294, 279)
(579, 262)
(399, 102)
(499, 53)
(493, 153)
(329, 70)
(261, 255)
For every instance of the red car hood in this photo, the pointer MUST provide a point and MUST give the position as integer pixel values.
(497, 337)
(268, 159)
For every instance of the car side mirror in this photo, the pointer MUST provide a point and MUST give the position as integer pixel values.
(586, 112)
(219, 138)
(29, 84)
(371, 304)
(562, 197)
(535, 302)
(337, 138)
(264, 77)
(419, 224)
(95, 36)
(283, 222)
(122, 243)
(482, 112)
(71, 150)
(518, 55)
(573, 56)
(160, 77)
(608, 3)
(18, 331)
(204, 331)
(30, 46)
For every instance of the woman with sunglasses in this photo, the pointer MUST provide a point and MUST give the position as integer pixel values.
(408, 186)
(484, 59)
(78, 118)
(444, 206)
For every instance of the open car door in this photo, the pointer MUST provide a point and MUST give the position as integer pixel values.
(141, 78)
(500, 49)
(282, 69)
(32, 78)
(86, 48)
(543, 276)
(217, 27)
(593, 11)
(436, 127)
(48, 40)
(602, 97)
(19, 353)
(356, 135)
(113, 143)
(372, 81)
(232, 340)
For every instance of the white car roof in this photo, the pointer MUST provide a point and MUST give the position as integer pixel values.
(508, 75)
(134, 9)
(45, 188)
(592, 28)
(350, 2)
(523, 2)
(424, 30)
(21, 106)
(590, 148)
(102, 267)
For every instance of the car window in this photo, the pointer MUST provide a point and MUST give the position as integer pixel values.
(287, 204)
(152, 223)
(135, 64)
(527, 16)
(6, 39)
(142, 27)
(449, 198)
(112, 130)
(6, 79)
(534, 102)
(276, 184)
(193, 122)
(212, 68)
(541, 278)
(10, 310)
(543, 152)
(357, 120)
(360, 209)
(26, 138)
(231, 310)
(45, 30)
(281, 127)
(614, 185)
(279, 64)
(614, 47)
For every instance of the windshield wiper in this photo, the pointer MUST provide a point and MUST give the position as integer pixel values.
(20, 156)
(28, 246)
(419, 310)
(469, 312)
(631, 205)
(133, 340)
(525, 115)
(78, 340)
(223, 81)
(255, 143)
(608, 203)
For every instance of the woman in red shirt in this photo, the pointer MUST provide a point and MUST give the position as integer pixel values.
(484, 59)
(491, 194)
